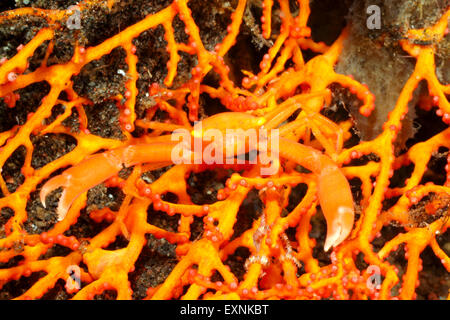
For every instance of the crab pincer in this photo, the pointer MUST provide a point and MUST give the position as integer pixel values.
(334, 191)
(98, 168)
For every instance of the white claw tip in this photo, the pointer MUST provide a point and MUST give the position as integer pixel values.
(332, 240)
(42, 197)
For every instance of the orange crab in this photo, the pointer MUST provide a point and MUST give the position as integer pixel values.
(334, 192)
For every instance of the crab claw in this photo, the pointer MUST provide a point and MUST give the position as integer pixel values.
(64, 201)
(337, 205)
(80, 178)
(100, 167)
(335, 195)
